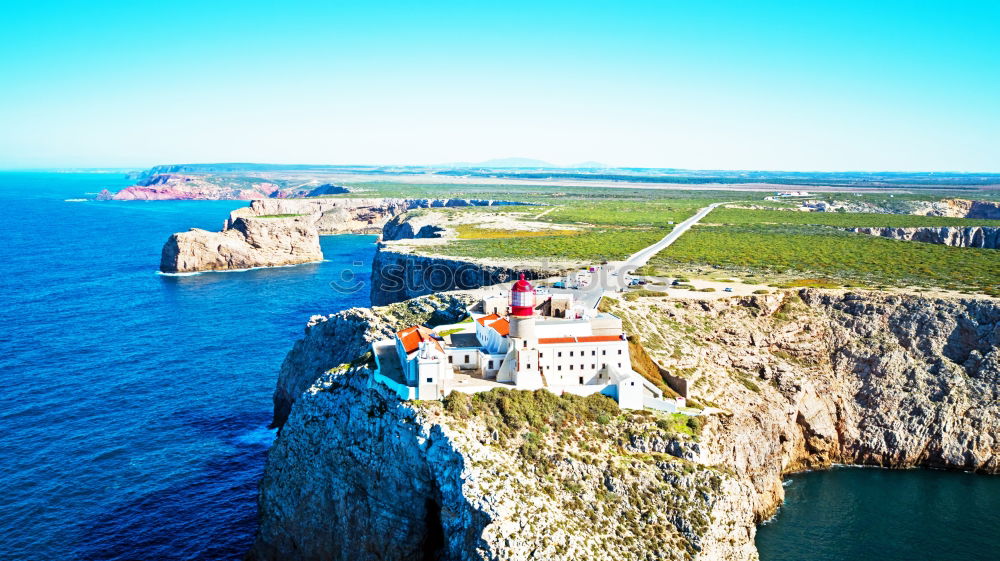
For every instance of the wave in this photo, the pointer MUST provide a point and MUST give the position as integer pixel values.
(76, 200)
(162, 274)
(262, 436)
(241, 270)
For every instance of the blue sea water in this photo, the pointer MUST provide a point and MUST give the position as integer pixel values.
(134, 406)
(885, 515)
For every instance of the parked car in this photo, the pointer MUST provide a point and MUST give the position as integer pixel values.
(727, 289)
(559, 284)
(675, 283)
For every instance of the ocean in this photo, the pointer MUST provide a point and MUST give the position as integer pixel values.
(135, 406)
(885, 515)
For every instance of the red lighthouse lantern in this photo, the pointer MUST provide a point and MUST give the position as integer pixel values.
(522, 298)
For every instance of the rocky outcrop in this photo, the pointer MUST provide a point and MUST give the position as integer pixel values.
(400, 276)
(969, 236)
(797, 380)
(350, 215)
(179, 187)
(245, 243)
(412, 226)
(954, 208)
(343, 337)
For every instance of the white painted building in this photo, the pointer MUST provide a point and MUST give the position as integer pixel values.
(516, 349)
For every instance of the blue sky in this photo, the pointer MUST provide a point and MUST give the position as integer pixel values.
(690, 84)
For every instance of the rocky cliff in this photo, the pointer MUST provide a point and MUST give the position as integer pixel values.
(177, 186)
(970, 236)
(245, 243)
(795, 380)
(350, 215)
(398, 276)
(955, 208)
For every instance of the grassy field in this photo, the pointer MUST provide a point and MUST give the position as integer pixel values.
(817, 251)
(590, 246)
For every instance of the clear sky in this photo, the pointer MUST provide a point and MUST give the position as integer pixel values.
(873, 85)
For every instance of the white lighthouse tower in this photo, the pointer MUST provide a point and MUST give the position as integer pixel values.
(521, 363)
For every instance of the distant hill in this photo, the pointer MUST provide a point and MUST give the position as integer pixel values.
(504, 163)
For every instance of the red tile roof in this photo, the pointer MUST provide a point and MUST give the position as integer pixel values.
(484, 319)
(599, 338)
(411, 337)
(586, 339)
(554, 340)
(501, 326)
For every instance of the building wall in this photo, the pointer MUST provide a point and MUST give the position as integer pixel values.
(581, 360)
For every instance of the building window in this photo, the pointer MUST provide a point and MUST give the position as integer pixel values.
(466, 359)
(619, 365)
(559, 353)
(593, 353)
(559, 367)
(619, 351)
(430, 380)
(525, 345)
(604, 351)
(581, 380)
(571, 367)
(529, 366)
(582, 366)
(571, 353)
(593, 366)
(540, 355)
(450, 359)
(491, 365)
(633, 383)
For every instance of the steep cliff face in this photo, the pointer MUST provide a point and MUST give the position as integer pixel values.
(794, 380)
(358, 475)
(972, 236)
(343, 337)
(400, 276)
(408, 226)
(814, 378)
(350, 215)
(248, 242)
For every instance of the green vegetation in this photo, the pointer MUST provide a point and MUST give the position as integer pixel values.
(738, 216)
(834, 255)
(472, 232)
(588, 245)
(678, 423)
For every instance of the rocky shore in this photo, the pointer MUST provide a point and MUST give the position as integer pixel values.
(798, 380)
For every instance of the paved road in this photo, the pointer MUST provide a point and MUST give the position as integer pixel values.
(604, 281)
(643, 256)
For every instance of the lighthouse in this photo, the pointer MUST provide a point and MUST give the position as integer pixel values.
(522, 312)
(524, 342)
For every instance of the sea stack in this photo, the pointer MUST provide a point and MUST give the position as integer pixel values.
(246, 242)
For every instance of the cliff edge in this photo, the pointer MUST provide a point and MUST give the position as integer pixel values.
(793, 380)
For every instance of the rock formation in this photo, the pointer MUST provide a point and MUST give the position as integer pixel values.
(175, 186)
(797, 380)
(245, 243)
(957, 236)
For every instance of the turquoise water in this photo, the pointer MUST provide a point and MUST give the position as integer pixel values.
(885, 515)
(134, 406)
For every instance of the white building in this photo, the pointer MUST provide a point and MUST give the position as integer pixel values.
(517, 348)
